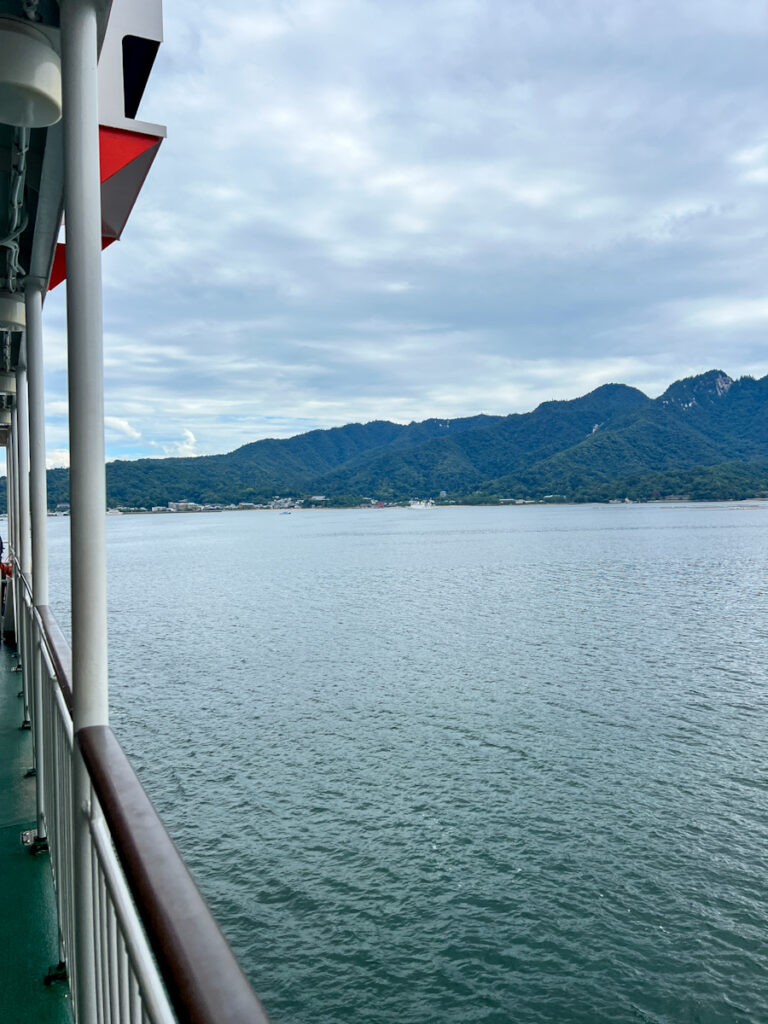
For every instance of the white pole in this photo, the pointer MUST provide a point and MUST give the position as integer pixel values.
(37, 476)
(9, 528)
(8, 479)
(82, 203)
(22, 427)
(8, 498)
(39, 524)
(11, 592)
(11, 490)
(18, 589)
(17, 631)
(22, 488)
(14, 481)
(87, 484)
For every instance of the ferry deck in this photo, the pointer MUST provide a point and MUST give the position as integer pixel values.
(100, 920)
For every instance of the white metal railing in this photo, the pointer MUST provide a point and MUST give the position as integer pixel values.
(143, 961)
(134, 933)
(129, 989)
(128, 985)
(57, 786)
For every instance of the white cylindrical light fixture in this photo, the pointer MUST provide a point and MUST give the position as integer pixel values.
(13, 312)
(30, 76)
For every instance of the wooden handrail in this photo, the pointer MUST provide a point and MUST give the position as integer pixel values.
(59, 650)
(203, 979)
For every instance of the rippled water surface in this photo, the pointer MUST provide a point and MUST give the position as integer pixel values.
(460, 765)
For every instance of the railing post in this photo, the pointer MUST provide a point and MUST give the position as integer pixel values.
(82, 204)
(12, 517)
(14, 506)
(22, 489)
(9, 488)
(39, 524)
(8, 495)
(8, 584)
(37, 473)
(18, 616)
(9, 543)
(22, 428)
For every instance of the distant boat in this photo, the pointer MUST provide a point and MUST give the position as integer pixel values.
(421, 504)
(285, 513)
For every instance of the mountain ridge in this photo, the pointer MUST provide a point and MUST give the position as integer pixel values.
(706, 435)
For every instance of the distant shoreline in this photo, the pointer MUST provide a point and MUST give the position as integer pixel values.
(660, 502)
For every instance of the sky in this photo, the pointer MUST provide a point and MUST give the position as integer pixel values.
(398, 209)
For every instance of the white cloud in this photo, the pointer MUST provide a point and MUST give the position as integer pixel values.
(757, 175)
(396, 287)
(121, 426)
(57, 458)
(728, 314)
(403, 210)
(182, 449)
(752, 154)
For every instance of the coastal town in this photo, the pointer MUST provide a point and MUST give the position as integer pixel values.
(319, 501)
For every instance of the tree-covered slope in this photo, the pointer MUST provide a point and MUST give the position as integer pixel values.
(461, 462)
(705, 421)
(257, 470)
(706, 435)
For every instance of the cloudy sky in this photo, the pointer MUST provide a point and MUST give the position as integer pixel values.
(409, 208)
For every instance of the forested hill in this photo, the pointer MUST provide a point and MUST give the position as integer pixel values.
(705, 437)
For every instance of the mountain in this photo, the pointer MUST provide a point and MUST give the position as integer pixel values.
(257, 470)
(707, 422)
(464, 460)
(706, 436)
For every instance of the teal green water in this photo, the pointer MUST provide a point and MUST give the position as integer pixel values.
(462, 765)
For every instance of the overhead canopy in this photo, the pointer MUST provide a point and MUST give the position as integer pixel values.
(126, 157)
(31, 161)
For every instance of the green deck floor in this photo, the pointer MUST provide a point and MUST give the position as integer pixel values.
(28, 945)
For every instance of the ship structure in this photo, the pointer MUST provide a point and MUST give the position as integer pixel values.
(100, 919)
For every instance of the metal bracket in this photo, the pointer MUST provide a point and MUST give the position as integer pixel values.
(30, 773)
(56, 973)
(26, 724)
(33, 842)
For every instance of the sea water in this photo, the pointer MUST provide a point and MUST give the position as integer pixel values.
(459, 765)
